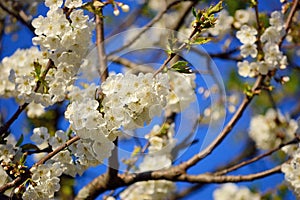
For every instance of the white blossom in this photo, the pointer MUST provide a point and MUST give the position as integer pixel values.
(73, 3)
(7, 152)
(249, 49)
(243, 17)
(291, 172)
(247, 34)
(182, 92)
(274, 129)
(40, 135)
(132, 100)
(230, 191)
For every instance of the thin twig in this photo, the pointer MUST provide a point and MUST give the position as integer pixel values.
(227, 129)
(289, 20)
(57, 150)
(259, 27)
(247, 162)
(19, 180)
(103, 71)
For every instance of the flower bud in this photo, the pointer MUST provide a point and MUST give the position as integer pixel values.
(125, 8)
(116, 12)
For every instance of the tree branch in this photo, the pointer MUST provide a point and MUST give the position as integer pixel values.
(247, 162)
(103, 71)
(171, 174)
(227, 129)
(20, 16)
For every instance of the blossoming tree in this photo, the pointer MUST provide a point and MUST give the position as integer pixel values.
(141, 97)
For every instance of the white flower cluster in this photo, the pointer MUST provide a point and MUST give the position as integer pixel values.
(46, 182)
(272, 129)
(273, 57)
(64, 40)
(230, 191)
(87, 122)
(77, 158)
(247, 36)
(159, 157)
(16, 73)
(291, 172)
(182, 92)
(133, 100)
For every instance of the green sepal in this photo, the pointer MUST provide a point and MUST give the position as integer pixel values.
(27, 147)
(182, 67)
(20, 140)
(200, 40)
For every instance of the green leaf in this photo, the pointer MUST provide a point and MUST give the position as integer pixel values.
(20, 140)
(200, 40)
(28, 147)
(37, 69)
(171, 46)
(182, 67)
(194, 12)
(215, 9)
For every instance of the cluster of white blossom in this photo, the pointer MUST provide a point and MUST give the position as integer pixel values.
(273, 57)
(274, 129)
(230, 191)
(182, 92)
(64, 40)
(291, 172)
(87, 122)
(41, 136)
(16, 72)
(89, 151)
(132, 100)
(44, 182)
(247, 36)
(159, 156)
